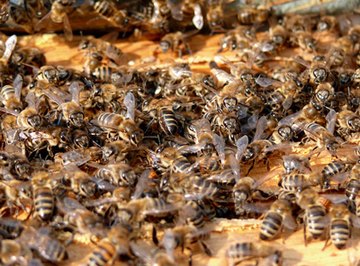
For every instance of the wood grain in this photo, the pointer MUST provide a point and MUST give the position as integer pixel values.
(225, 232)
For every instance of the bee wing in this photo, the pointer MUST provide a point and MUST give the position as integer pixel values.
(110, 37)
(260, 127)
(72, 204)
(52, 96)
(241, 145)
(287, 103)
(331, 121)
(18, 84)
(176, 9)
(67, 28)
(219, 144)
(264, 81)
(9, 47)
(301, 61)
(235, 166)
(76, 157)
(112, 52)
(198, 19)
(74, 90)
(202, 125)
(129, 102)
(252, 121)
(290, 223)
(142, 183)
(103, 184)
(32, 100)
(289, 120)
(43, 22)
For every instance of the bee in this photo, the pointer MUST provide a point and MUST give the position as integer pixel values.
(305, 41)
(80, 181)
(341, 223)
(103, 73)
(250, 15)
(18, 194)
(114, 247)
(240, 37)
(352, 189)
(48, 247)
(117, 17)
(225, 124)
(279, 35)
(295, 182)
(318, 71)
(114, 151)
(10, 45)
(183, 237)
(348, 122)
(71, 111)
(315, 213)
(59, 14)
(326, 23)
(53, 75)
(244, 251)
(125, 127)
(332, 170)
(324, 93)
(276, 219)
(170, 158)
(296, 164)
(119, 174)
(10, 228)
(242, 193)
(175, 42)
(161, 111)
(11, 95)
(215, 16)
(44, 200)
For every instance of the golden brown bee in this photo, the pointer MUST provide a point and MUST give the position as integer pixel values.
(315, 213)
(282, 134)
(215, 17)
(175, 42)
(279, 35)
(117, 17)
(348, 122)
(276, 219)
(49, 248)
(324, 93)
(44, 199)
(53, 75)
(242, 193)
(80, 181)
(245, 251)
(183, 237)
(59, 14)
(114, 247)
(333, 170)
(341, 224)
(296, 164)
(172, 159)
(327, 23)
(238, 38)
(114, 151)
(11, 95)
(352, 189)
(250, 15)
(119, 174)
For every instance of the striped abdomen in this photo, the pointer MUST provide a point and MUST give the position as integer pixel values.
(167, 121)
(44, 202)
(339, 232)
(271, 226)
(103, 254)
(314, 216)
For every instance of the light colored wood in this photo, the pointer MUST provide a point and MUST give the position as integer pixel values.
(225, 232)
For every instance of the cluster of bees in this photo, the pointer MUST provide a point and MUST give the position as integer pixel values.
(151, 16)
(116, 152)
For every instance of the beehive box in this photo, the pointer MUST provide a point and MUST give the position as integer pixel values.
(225, 232)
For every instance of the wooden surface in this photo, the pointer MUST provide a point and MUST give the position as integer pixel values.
(225, 232)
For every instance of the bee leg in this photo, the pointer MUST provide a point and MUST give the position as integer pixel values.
(190, 256)
(206, 249)
(305, 240)
(251, 167)
(154, 236)
(326, 242)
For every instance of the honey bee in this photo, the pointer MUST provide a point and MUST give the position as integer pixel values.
(10, 228)
(324, 93)
(315, 220)
(215, 16)
(240, 37)
(296, 164)
(341, 223)
(176, 42)
(318, 71)
(119, 174)
(59, 14)
(242, 193)
(352, 190)
(163, 113)
(53, 75)
(305, 41)
(332, 171)
(124, 127)
(14, 252)
(71, 111)
(44, 200)
(276, 219)
(114, 151)
(114, 247)
(11, 95)
(244, 251)
(117, 17)
(282, 134)
(326, 23)
(279, 35)
(80, 181)
(49, 248)
(154, 257)
(183, 237)
(348, 122)
(250, 15)
(17, 195)
(10, 45)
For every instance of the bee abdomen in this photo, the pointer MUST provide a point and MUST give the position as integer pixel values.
(339, 233)
(314, 216)
(270, 226)
(167, 121)
(44, 203)
(102, 255)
